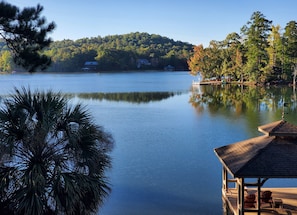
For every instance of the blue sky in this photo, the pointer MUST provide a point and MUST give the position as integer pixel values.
(193, 21)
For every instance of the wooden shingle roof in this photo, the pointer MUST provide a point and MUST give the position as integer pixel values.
(273, 155)
(279, 128)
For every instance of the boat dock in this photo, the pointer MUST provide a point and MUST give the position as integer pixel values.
(207, 83)
(248, 164)
(210, 82)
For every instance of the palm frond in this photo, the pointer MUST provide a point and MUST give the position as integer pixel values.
(53, 156)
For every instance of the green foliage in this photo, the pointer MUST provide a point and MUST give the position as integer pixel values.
(261, 54)
(120, 52)
(53, 157)
(5, 61)
(24, 32)
(256, 33)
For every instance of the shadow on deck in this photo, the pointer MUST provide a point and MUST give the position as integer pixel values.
(287, 195)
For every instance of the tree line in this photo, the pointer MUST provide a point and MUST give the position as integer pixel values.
(131, 51)
(261, 53)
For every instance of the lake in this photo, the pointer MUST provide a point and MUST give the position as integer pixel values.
(165, 133)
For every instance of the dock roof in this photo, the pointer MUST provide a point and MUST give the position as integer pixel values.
(272, 155)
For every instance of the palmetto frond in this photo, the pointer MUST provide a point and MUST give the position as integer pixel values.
(53, 157)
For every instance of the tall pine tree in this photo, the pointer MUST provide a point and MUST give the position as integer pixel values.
(255, 35)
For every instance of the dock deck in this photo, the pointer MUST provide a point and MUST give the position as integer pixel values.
(287, 195)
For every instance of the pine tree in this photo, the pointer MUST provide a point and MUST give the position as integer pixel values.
(256, 34)
(25, 33)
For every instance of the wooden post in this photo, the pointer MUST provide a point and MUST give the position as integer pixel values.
(225, 179)
(259, 195)
(240, 197)
(225, 190)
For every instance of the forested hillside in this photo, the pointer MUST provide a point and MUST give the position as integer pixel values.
(134, 51)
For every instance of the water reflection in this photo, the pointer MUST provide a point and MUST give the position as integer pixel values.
(260, 105)
(131, 97)
(239, 100)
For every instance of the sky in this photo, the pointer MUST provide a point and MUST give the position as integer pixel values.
(193, 21)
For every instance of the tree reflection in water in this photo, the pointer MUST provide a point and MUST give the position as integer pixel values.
(132, 97)
(239, 100)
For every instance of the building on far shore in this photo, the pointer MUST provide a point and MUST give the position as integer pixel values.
(142, 62)
(90, 66)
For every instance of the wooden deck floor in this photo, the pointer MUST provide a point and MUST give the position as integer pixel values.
(287, 195)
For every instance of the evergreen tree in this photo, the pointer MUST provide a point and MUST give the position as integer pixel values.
(25, 33)
(275, 52)
(214, 62)
(290, 49)
(232, 56)
(255, 34)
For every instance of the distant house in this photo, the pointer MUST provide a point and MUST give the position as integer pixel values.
(169, 68)
(142, 62)
(90, 66)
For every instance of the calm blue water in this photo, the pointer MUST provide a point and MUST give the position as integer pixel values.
(100, 82)
(163, 161)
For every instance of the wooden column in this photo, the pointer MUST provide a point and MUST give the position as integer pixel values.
(225, 179)
(240, 197)
(259, 195)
